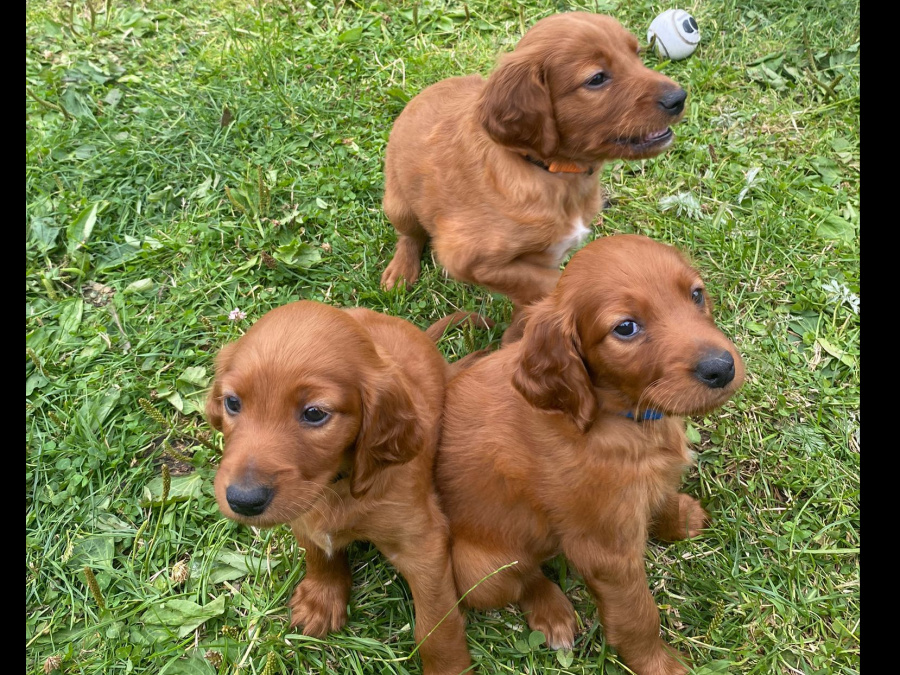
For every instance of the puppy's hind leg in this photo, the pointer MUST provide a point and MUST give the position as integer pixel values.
(487, 578)
(319, 603)
(411, 239)
(487, 583)
(680, 517)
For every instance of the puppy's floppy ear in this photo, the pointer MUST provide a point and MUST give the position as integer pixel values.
(515, 107)
(390, 432)
(551, 374)
(214, 398)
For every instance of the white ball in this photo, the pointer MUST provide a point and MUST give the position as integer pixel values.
(677, 34)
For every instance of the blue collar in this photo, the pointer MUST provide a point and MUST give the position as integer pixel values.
(648, 415)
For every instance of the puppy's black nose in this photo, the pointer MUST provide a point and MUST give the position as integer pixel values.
(715, 370)
(249, 501)
(673, 101)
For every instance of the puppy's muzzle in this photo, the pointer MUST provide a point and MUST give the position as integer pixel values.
(673, 101)
(249, 500)
(715, 370)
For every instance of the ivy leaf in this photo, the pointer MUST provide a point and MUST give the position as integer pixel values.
(231, 565)
(183, 615)
(173, 397)
(43, 233)
(139, 287)
(181, 489)
(96, 551)
(97, 408)
(397, 94)
(75, 105)
(195, 375)
(118, 253)
(35, 381)
(195, 664)
(297, 254)
(757, 328)
(827, 169)
(113, 97)
(835, 227)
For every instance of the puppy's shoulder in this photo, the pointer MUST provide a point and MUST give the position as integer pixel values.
(453, 91)
(490, 372)
(460, 84)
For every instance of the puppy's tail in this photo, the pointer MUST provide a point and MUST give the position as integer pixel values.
(436, 331)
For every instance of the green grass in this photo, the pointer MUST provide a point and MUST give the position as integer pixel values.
(152, 213)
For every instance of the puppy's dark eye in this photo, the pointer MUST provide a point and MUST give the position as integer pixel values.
(627, 329)
(698, 297)
(232, 404)
(315, 416)
(597, 80)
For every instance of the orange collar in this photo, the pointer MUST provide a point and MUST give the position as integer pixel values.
(560, 167)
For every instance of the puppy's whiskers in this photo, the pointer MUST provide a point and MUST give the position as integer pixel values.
(318, 506)
(644, 400)
(340, 497)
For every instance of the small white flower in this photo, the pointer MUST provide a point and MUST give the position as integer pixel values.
(840, 293)
(684, 203)
(236, 314)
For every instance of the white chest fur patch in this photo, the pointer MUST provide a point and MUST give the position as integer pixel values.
(575, 237)
(323, 541)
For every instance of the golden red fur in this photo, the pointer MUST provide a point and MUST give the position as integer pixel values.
(502, 174)
(331, 420)
(539, 456)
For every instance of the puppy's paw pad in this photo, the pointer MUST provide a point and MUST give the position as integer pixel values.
(318, 608)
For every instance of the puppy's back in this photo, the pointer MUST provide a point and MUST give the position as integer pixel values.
(429, 125)
(437, 105)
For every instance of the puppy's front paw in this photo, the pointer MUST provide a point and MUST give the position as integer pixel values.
(661, 661)
(403, 270)
(549, 611)
(319, 608)
(560, 634)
